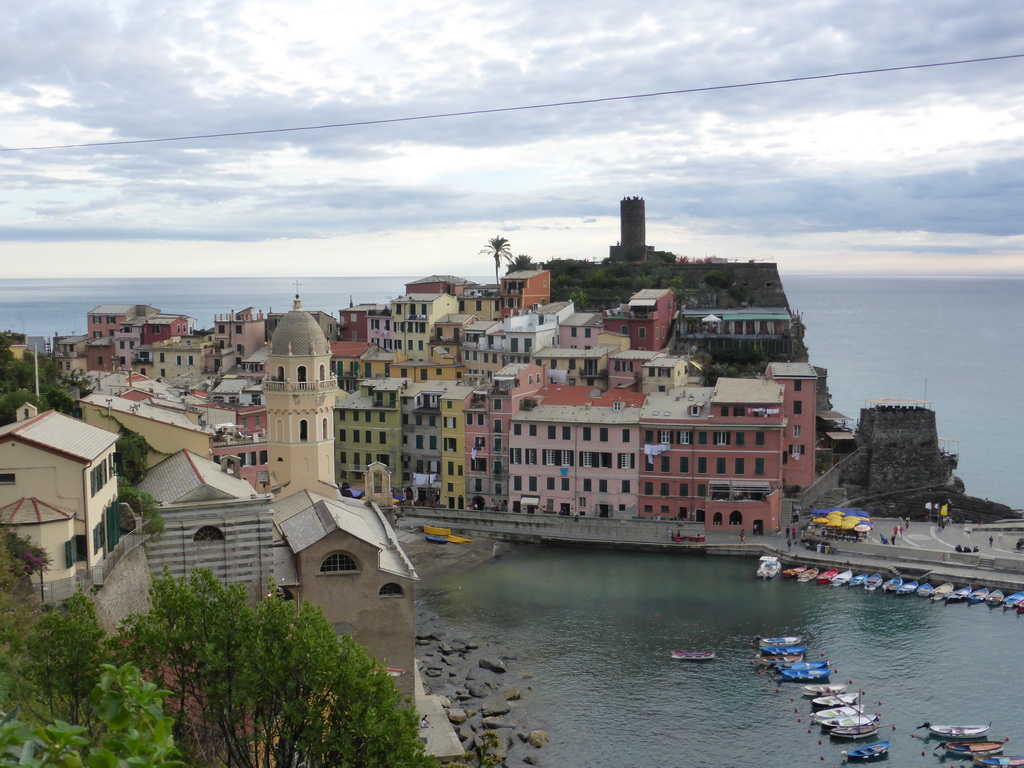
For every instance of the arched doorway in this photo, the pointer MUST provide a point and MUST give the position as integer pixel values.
(716, 519)
(736, 517)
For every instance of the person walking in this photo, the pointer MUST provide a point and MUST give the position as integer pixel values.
(990, 541)
(742, 536)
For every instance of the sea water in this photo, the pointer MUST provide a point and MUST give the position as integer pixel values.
(596, 630)
(951, 341)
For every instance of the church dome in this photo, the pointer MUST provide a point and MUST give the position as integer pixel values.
(298, 333)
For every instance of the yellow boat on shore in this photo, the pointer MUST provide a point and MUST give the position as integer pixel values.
(435, 531)
(459, 540)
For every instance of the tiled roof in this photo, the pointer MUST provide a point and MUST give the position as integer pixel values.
(186, 476)
(62, 433)
(29, 511)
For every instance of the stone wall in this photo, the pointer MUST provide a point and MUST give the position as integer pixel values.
(901, 450)
(125, 591)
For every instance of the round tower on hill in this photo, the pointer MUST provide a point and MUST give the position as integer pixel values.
(633, 228)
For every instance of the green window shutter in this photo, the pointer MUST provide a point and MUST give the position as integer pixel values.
(69, 553)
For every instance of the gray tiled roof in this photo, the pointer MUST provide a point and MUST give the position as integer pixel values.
(186, 476)
(63, 433)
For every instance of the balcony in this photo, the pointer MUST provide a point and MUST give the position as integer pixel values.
(299, 386)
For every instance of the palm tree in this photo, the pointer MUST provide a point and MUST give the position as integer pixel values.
(521, 263)
(498, 249)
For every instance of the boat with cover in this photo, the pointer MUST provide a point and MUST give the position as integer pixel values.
(823, 689)
(805, 675)
(874, 581)
(972, 748)
(925, 590)
(837, 713)
(834, 700)
(842, 579)
(907, 588)
(1013, 600)
(995, 598)
(769, 567)
(780, 665)
(854, 731)
(778, 642)
(956, 731)
(978, 596)
(868, 751)
(792, 573)
(810, 573)
(775, 650)
(892, 584)
(859, 580)
(999, 760)
(959, 594)
(942, 591)
(827, 575)
(693, 655)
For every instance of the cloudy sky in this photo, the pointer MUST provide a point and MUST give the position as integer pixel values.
(916, 171)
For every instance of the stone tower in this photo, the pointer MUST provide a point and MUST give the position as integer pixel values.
(632, 231)
(300, 393)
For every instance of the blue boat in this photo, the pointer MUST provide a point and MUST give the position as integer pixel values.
(802, 664)
(959, 594)
(926, 590)
(436, 539)
(818, 673)
(874, 581)
(892, 584)
(978, 596)
(1013, 600)
(782, 649)
(907, 588)
(859, 580)
(868, 751)
(786, 640)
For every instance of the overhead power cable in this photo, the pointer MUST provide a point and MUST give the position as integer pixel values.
(520, 108)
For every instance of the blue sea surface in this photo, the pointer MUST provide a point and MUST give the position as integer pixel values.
(953, 341)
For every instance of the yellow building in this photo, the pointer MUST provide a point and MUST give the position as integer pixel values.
(413, 318)
(453, 446)
(176, 357)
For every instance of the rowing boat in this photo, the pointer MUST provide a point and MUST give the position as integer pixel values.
(868, 751)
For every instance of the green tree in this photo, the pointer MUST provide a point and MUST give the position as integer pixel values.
(18, 615)
(67, 651)
(276, 685)
(522, 262)
(143, 505)
(498, 249)
(580, 299)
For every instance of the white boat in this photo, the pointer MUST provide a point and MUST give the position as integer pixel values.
(841, 579)
(957, 731)
(823, 689)
(769, 567)
(846, 721)
(835, 700)
(778, 642)
(874, 582)
(829, 714)
(942, 591)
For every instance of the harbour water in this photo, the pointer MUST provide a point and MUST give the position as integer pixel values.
(596, 630)
(951, 341)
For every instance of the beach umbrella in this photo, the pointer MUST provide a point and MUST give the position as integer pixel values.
(711, 319)
(820, 520)
(862, 528)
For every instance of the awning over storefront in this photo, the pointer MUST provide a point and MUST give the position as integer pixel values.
(531, 501)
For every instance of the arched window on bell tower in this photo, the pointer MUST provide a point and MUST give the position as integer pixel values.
(303, 431)
(301, 373)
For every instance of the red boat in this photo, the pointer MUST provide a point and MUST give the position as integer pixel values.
(825, 577)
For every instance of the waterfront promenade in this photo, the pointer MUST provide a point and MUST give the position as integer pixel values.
(922, 551)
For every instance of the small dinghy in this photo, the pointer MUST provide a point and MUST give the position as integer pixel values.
(873, 582)
(693, 655)
(907, 588)
(868, 751)
(999, 760)
(824, 689)
(792, 573)
(978, 596)
(435, 539)
(827, 575)
(959, 594)
(972, 748)
(842, 579)
(848, 721)
(808, 575)
(892, 584)
(775, 650)
(854, 731)
(786, 641)
(838, 713)
(779, 658)
(769, 567)
(805, 675)
(1013, 600)
(925, 590)
(859, 580)
(780, 665)
(995, 598)
(942, 591)
(956, 731)
(834, 700)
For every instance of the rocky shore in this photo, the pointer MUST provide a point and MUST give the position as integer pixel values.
(479, 686)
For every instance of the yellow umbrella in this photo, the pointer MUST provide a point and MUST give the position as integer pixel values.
(819, 521)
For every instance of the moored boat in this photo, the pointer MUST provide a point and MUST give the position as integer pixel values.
(995, 598)
(959, 594)
(838, 713)
(907, 588)
(859, 580)
(780, 665)
(942, 591)
(792, 573)
(892, 584)
(978, 596)
(957, 731)
(854, 731)
(834, 700)
(805, 675)
(776, 650)
(926, 590)
(972, 748)
(874, 581)
(778, 642)
(693, 655)
(842, 579)
(868, 751)
(779, 658)
(1013, 600)
(827, 575)
(823, 689)
(999, 760)
(769, 567)
(810, 573)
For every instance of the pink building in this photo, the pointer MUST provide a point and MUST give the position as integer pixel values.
(800, 386)
(237, 335)
(576, 453)
(647, 319)
(450, 284)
